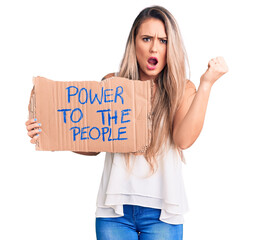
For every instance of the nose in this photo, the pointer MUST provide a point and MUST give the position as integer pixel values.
(153, 47)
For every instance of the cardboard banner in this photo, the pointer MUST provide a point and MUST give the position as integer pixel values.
(89, 116)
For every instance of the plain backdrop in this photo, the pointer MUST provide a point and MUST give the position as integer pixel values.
(52, 195)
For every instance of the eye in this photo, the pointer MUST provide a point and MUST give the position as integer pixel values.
(146, 39)
(164, 41)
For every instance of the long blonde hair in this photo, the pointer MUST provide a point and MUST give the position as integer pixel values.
(171, 80)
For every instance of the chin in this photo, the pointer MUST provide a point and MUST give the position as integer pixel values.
(153, 74)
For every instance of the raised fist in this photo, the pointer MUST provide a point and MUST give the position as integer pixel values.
(216, 68)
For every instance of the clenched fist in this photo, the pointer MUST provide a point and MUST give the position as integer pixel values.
(216, 68)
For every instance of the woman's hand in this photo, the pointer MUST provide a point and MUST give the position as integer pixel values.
(33, 130)
(216, 68)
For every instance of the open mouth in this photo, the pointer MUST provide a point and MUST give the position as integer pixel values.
(153, 61)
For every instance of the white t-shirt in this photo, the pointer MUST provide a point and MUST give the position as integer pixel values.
(163, 190)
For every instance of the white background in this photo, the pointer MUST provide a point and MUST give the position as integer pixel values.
(52, 195)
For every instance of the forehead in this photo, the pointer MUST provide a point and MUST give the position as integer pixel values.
(151, 27)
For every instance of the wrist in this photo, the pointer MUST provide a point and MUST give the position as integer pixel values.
(206, 86)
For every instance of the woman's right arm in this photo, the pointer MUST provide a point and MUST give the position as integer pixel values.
(34, 130)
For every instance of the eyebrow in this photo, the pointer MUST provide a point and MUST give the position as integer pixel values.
(145, 35)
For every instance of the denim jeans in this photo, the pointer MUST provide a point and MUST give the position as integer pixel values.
(138, 223)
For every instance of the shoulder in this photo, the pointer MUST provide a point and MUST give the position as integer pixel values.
(190, 89)
(188, 94)
(108, 76)
(185, 103)
(190, 85)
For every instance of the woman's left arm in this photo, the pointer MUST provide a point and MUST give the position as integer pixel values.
(189, 118)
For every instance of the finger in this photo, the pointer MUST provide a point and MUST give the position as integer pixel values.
(32, 126)
(30, 121)
(211, 63)
(34, 139)
(220, 60)
(32, 133)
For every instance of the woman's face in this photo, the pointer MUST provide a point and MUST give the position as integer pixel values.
(151, 48)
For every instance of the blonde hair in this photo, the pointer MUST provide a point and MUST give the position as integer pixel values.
(171, 81)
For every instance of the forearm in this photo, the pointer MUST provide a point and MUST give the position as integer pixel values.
(88, 153)
(189, 129)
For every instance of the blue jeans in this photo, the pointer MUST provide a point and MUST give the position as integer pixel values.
(138, 223)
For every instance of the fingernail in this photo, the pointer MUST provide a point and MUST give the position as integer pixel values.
(39, 130)
(37, 135)
(35, 119)
(39, 124)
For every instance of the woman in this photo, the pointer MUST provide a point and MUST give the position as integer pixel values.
(143, 196)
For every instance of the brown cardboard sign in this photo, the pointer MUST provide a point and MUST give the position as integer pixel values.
(89, 116)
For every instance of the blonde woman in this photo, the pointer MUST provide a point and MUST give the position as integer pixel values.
(142, 196)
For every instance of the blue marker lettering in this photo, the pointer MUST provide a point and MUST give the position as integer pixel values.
(109, 137)
(64, 113)
(102, 115)
(107, 95)
(96, 96)
(119, 94)
(80, 117)
(83, 132)
(119, 133)
(113, 117)
(69, 92)
(79, 96)
(123, 114)
(75, 133)
(99, 133)
(103, 132)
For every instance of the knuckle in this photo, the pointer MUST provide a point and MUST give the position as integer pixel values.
(30, 126)
(33, 140)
